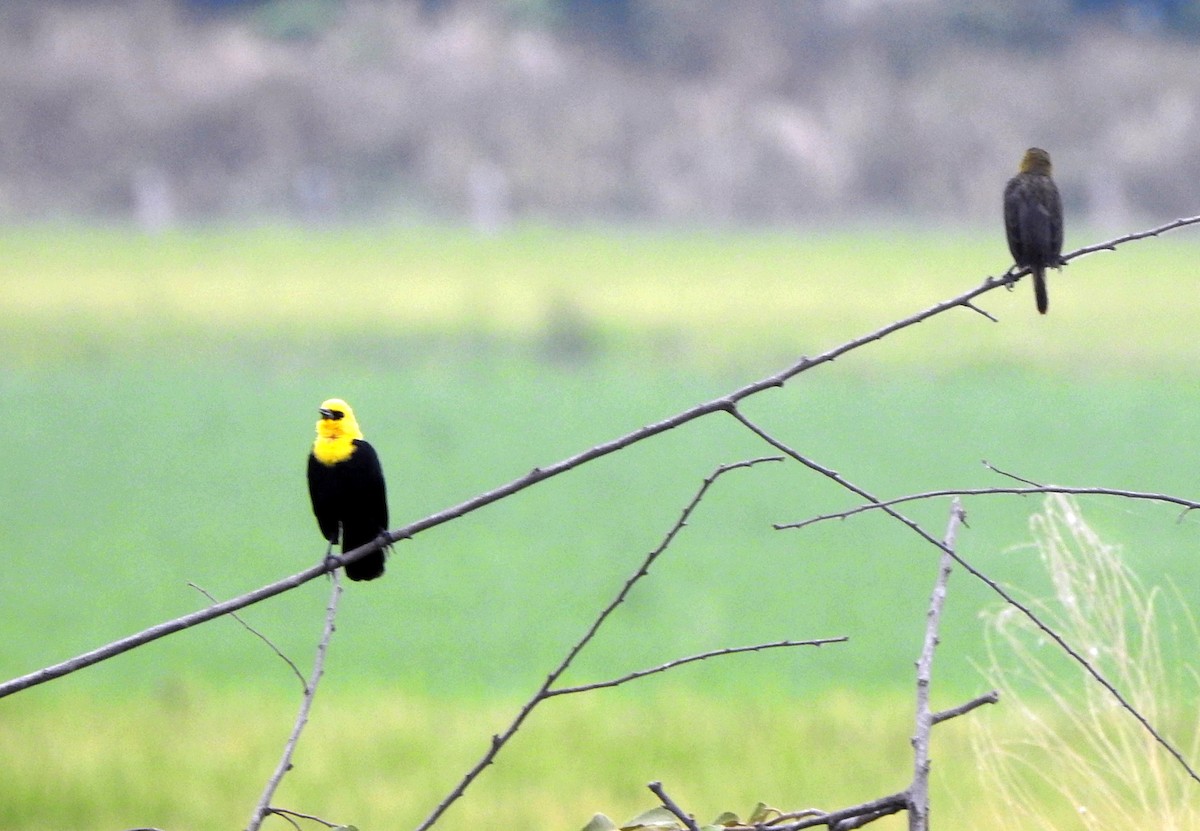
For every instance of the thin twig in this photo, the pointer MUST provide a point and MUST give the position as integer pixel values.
(288, 813)
(918, 800)
(258, 635)
(540, 474)
(668, 803)
(916, 497)
(714, 653)
(499, 740)
(979, 575)
(289, 820)
(1021, 479)
(962, 709)
(285, 762)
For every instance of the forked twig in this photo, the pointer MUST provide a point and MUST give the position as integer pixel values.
(916, 798)
(545, 690)
(263, 808)
(287, 813)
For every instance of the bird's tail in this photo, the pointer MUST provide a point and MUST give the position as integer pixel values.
(1039, 290)
(370, 566)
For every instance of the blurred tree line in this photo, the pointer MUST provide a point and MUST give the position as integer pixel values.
(670, 111)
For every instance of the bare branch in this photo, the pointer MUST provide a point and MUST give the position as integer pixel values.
(1022, 479)
(499, 740)
(962, 709)
(678, 662)
(1112, 244)
(289, 820)
(287, 814)
(979, 575)
(258, 635)
(540, 474)
(669, 804)
(918, 799)
(285, 762)
(1036, 489)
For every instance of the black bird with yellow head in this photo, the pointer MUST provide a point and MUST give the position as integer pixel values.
(345, 481)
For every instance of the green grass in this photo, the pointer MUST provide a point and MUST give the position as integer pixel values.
(160, 396)
(709, 299)
(193, 759)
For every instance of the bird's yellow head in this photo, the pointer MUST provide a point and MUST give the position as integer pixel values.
(1036, 160)
(336, 431)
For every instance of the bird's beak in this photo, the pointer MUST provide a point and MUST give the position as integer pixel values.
(325, 413)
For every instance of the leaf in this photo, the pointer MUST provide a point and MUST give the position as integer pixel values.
(600, 823)
(727, 818)
(657, 817)
(763, 812)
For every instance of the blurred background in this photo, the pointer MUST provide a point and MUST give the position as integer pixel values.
(694, 113)
(506, 232)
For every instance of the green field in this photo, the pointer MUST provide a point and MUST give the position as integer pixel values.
(161, 394)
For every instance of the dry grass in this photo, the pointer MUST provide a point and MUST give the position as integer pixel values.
(1070, 757)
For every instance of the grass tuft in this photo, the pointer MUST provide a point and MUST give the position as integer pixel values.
(1074, 758)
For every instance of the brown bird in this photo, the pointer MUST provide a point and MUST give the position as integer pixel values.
(1033, 220)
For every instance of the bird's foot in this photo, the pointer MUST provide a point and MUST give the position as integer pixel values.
(330, 561)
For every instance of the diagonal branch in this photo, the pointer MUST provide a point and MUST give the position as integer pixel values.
(540, 474)
(979, 575)
(688, 820)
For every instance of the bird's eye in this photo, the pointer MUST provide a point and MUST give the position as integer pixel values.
(336, 415)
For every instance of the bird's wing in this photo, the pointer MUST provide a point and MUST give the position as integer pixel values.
(322, 489)
(371, 490)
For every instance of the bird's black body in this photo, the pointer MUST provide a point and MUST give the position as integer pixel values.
(350, 496)
(1033, 221)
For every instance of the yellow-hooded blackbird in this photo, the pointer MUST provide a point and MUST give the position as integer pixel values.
(346, 484)
(1033, 220)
